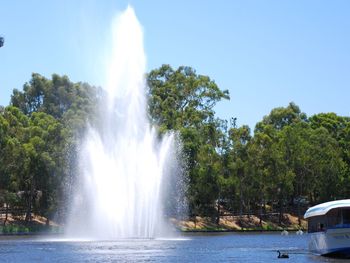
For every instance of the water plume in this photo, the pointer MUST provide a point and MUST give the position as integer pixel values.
(123, 163)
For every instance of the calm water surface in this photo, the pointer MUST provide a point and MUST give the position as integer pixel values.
(230, 247)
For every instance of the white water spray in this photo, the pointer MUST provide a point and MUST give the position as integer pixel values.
(122, 162)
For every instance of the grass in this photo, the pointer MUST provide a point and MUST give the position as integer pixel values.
(31, 229)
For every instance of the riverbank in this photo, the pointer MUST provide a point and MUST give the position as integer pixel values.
(39, 225)
(16, 225)
(246, 223)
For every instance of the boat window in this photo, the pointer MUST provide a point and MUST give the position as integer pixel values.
(317, 224)
(346, 216)
(334, 217)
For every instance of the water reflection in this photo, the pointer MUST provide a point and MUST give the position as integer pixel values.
(231, 247)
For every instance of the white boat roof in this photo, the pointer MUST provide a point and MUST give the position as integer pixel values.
(322, 209)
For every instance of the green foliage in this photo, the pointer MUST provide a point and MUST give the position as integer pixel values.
(183, 100)
(289, 157)
(36, 132)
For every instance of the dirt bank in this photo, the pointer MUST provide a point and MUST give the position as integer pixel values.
(240, 223)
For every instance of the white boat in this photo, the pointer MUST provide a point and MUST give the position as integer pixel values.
(329, 228)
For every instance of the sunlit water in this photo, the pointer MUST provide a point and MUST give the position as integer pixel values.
(123, 163)
(189, 248)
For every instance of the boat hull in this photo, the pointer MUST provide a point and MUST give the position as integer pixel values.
(332, 242)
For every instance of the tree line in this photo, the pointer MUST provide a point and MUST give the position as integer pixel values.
(289, 161)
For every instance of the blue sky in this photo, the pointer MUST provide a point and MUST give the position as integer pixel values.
(266, 53)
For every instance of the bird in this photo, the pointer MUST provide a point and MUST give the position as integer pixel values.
(299, 232)
(284, 233)
(283, 255)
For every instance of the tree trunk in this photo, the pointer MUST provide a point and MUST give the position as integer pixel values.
(30, 204)
(299, 217)
(281, 211)
(29, 211)
(6, 213)
(249, 209)
(218, 213)
(240, 198)
(261, 212)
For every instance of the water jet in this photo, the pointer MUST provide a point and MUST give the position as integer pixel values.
(123, 163)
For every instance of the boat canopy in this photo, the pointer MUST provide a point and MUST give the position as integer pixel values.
(322, 209)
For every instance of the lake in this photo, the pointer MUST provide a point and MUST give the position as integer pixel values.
(221, 247)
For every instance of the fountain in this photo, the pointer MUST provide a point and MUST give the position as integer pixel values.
(124, 165)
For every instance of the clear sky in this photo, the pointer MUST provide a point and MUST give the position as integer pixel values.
(266, 53)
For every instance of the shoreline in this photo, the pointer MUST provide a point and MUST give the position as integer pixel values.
(227, 224)
(42, 234)
(241, 230)
(250, 223)
(181, 231)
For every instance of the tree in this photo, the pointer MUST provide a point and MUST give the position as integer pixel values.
(326, 165)
(54, 97)
(239, 139)
(275, 152)
(339, 128)
(66, 109)
(13, 125)
(280, 117)
(183, 100)
(45, 150)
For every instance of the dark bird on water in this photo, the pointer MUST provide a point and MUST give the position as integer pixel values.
(283, 255)
(2, 40)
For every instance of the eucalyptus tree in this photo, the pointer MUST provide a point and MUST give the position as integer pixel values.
(296, 144)
(69, 107)
(339, 128)
(13, 126)
(180, 99)
(28, 158)
(274, 154)
(326, 166)
(5, 176)
(54, 96)
(45, 150)
(239, 139)
(282, 116)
